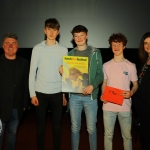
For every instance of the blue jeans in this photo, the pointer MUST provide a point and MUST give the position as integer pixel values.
(11, 127)
(77, 103)
(125, 120)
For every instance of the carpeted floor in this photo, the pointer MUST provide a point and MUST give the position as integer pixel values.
(26, 137)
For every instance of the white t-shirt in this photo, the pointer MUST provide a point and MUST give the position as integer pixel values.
(119, 75)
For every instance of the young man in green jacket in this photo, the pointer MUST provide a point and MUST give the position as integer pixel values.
(88, 99)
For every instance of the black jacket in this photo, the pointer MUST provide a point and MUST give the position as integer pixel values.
(8, 89)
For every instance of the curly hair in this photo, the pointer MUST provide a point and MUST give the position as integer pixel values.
(118, 37)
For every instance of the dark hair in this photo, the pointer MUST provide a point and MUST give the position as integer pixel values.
(52, 23)
(79, 28)
(142, 53)
(118, 37)
(9, 35)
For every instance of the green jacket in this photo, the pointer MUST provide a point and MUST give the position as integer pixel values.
(95, 70)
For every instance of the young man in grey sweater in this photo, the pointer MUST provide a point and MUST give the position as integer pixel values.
(45, 82)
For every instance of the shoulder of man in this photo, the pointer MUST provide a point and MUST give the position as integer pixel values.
(1, 56)
(94, 49)
(22, 59)
(129, 63)
(39, 45)
(71, 52)
(61, 45)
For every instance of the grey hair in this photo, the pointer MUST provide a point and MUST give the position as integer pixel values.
(9, 35)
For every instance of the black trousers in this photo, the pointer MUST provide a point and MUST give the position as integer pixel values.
(145, 127)
(55, 102)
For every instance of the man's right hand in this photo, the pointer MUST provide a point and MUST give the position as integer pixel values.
(104, 101)
(34, 101)
(60, 70)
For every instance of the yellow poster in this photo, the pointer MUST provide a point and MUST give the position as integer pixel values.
(75, 74)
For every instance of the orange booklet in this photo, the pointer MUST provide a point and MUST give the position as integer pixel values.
(113, 95)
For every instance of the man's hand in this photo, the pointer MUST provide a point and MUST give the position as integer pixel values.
(127, 94)
(60, 70)
(88, 90)
(104, 101)
(64, 100)
(34, 101)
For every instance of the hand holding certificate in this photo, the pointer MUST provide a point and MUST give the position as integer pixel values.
(113, 95)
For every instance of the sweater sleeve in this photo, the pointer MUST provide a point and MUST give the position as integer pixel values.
(33, 71)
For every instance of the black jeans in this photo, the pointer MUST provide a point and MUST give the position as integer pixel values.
(55, 101)
(145, 128)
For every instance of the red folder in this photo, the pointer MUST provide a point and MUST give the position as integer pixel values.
(113, 95)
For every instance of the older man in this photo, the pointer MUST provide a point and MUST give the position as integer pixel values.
(14, 94)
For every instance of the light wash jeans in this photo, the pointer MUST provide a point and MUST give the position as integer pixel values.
(77, 103)
(125, 120)
(11, 127)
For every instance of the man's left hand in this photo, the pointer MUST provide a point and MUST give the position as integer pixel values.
(88, 90)
(127, 94)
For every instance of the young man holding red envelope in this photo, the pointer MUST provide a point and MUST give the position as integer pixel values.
(118, 73)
